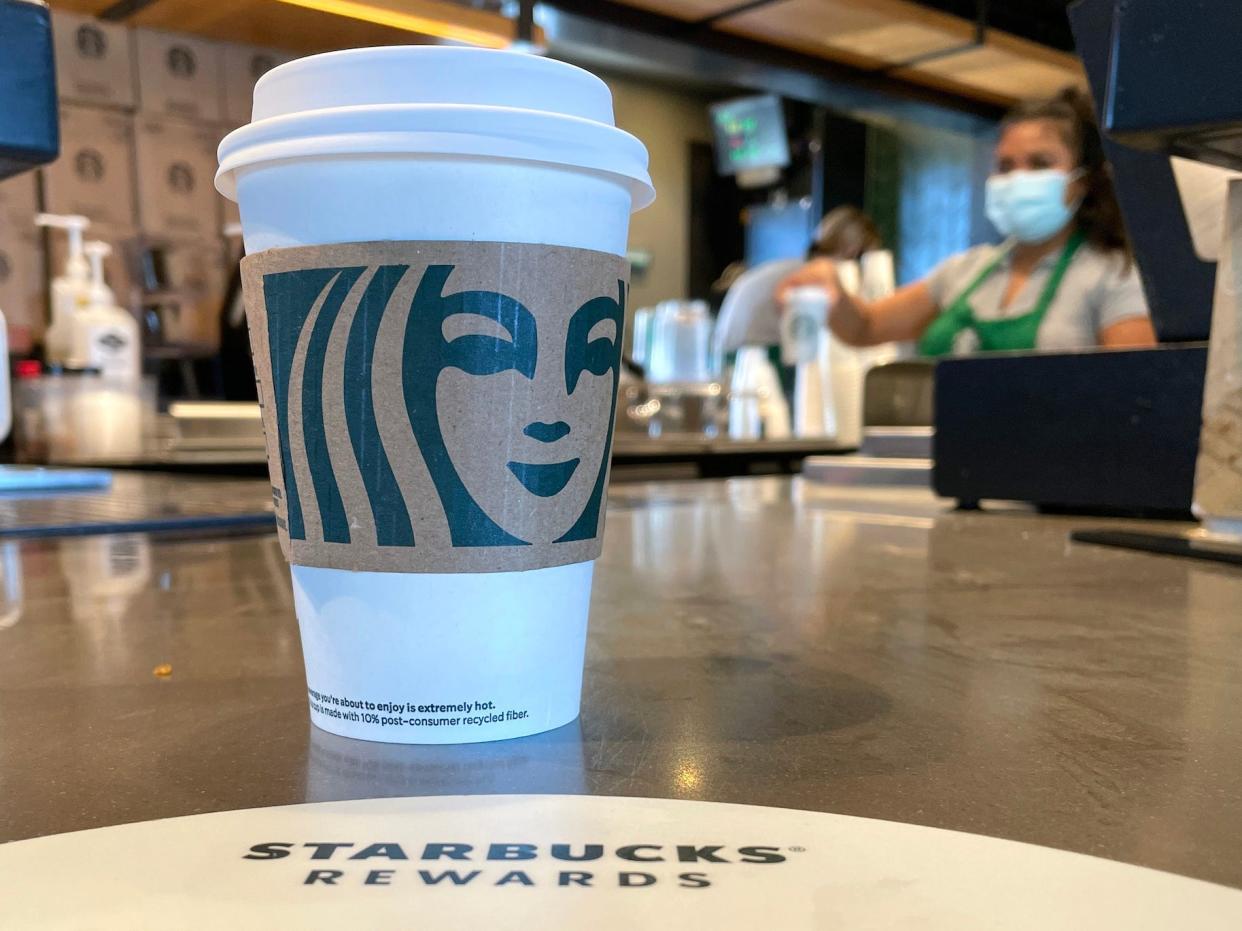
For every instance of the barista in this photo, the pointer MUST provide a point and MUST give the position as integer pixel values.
(845, 234)
(749, 314)
(1064, 277)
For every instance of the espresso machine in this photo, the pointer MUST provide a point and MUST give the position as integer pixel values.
(1168, 87)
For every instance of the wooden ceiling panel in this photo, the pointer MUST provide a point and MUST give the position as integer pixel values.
(267, 24)
(261, 22)
(894, 42)
(298, 29)
(87, 7)
(868, 34)
(685, 9)
(877, 32)
(998, 73)
(881, 34)
(872, 48)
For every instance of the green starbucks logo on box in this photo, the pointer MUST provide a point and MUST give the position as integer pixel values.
(438, 406)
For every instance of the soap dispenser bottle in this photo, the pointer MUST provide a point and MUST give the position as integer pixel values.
(105, 336)
(70, 289)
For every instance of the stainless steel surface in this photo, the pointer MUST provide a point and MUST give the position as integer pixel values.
(634, 409)
(211, 427)
(688, 410)
(865, 470)
(626, 445)
(665, 446)
(683, 420)
(137, 500)
(897, 442)
(766, 641)
(900, 394)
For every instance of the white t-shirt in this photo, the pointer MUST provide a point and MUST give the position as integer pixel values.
(1098, 289)
(749, 315)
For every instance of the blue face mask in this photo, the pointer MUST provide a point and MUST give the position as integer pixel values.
(1029, 205)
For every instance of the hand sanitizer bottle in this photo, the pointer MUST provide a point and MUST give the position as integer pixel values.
(70, 289)
(105, 336)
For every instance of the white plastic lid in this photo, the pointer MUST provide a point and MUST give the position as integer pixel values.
(436, 100)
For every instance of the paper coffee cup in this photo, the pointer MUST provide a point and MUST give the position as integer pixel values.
(805, 315)
(435, 290)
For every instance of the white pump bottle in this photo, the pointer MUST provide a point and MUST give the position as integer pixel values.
(104, 336)
(70, 289)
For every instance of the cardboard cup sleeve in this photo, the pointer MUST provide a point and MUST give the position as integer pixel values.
(437, 406)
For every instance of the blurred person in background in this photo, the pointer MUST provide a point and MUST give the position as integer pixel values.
(1063, 278)
(749, 313)
(844, 235)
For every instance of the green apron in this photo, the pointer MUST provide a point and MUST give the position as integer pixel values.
(1007, 333)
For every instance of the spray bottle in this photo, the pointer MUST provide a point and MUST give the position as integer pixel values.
(104, 336)
(70, 290)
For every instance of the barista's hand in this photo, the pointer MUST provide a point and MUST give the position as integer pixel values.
(820, 273)
(901, 316)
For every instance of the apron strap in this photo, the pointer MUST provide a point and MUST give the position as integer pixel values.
(941, 333)
(1058, 272)
(985, 273)
(1006, 333)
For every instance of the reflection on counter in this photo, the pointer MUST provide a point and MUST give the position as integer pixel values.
(104, 574)
(10, 584)
(340, 768)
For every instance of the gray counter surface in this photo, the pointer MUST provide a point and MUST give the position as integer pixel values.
(765, 641)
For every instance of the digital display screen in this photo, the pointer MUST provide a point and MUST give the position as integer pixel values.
(750, 133)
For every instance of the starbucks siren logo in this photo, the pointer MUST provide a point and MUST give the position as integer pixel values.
(260, 65)
(181, 62)
(112, 342)
(91, 42)
(181, 177)
(88, 164)
(389, 438)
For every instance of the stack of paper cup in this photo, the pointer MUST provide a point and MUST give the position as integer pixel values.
(877, 278)
(803, 339)
(435, 288)
(849, 276)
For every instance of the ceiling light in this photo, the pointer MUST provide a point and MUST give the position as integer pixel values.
(384, 14)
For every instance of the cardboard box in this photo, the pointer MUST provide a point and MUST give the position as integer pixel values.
(94, 63)
(197, 277)
(177, 197)
(229, 214)
(22, 292)
(19, 196)
(243, 65)
(94, 175)
(185, 312)
(178, 75)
